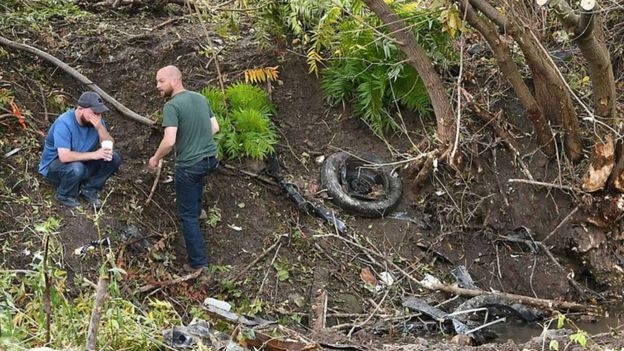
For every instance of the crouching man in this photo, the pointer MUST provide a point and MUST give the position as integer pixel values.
(78, 155)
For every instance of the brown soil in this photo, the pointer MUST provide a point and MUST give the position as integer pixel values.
(467, 210)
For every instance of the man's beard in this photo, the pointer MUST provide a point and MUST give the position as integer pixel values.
(166, 93)
(85, 121)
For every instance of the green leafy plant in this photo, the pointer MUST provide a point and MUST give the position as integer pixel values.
(282, 269)
(35, 14)
(242, 96)
(244, 114)
(214, 216)
(363, 64)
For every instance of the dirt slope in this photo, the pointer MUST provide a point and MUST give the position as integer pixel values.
(466, 211)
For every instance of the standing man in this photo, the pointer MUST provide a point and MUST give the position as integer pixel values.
(72, 159)
(189, 126)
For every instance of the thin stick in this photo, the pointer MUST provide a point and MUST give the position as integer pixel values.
(251, 174)
(561, 223)
(148, 287)
(46, 294)
(266, 274)
(544, 303)
(459, 95)
(486, 325)
(548, 185)
(377, 306)
(253, 263)
(96, 313)
(149, 198)
(209, 41)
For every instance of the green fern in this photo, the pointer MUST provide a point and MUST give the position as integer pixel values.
(258, 144)
(370, 102)
(249, 120)
(411, 92)
(246, 96)
(245, 131)
(337, 81)
(216, 99)
(364, 67)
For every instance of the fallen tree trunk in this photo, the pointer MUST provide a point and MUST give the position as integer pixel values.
(431, 283)
(526, 300)
(81, 78)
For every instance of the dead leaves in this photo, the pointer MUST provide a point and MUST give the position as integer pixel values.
(368, 276)
(261, 75)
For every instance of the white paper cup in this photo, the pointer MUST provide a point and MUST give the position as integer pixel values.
(107, 145)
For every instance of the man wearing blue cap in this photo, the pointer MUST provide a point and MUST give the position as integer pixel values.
(72, 159)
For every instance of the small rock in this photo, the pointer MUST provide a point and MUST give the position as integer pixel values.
(462, 340)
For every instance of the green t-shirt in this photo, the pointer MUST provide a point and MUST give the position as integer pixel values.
(191, 113)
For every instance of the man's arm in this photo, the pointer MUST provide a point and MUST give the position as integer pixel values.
(96, 122)
(214, 124)
(66, 155)
(165, 147)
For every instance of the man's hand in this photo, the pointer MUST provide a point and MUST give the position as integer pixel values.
(95, 120)
(153, 163)
(103, 154)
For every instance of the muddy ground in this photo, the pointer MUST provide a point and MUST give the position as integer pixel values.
(461, 215)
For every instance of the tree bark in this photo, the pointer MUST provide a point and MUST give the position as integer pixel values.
(420, 61)
(510, 71)
(96, 313)
(550, 90)
(587, 33)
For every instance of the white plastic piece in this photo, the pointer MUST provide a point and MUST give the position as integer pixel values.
(386, 278)
(209, 301)
(588, 5)
(320, 159)
(541, 2)
(429, 281)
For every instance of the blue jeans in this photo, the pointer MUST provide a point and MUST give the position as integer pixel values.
(189, 187)
(70, 177)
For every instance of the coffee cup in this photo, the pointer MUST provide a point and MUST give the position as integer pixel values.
(108, 145)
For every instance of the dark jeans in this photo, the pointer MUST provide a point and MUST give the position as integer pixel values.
(189, 187)
(88, 175)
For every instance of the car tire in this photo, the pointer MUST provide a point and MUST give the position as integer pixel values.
(356, 184)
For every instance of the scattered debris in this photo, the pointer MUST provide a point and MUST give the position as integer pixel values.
(259, 333)
(422, 220)
(463, 278)
(527, 314)
(273, 170)
(82, 251)
(184, 337)
(12, 152)
(209, 301)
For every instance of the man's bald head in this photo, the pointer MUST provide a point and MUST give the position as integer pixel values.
(169, 81)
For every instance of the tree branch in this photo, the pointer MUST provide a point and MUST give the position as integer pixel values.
(84, 80)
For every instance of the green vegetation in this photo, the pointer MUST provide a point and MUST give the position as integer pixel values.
(364, 65)
(35, 14)
(244, 114)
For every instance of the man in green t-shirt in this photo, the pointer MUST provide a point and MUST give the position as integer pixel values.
(189, 126)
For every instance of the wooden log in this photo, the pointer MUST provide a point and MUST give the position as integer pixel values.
(81, 78)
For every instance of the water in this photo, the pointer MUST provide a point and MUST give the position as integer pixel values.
(521, 332)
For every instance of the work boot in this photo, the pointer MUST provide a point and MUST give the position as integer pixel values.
(204, 278)
(68, 201)
(92, 197)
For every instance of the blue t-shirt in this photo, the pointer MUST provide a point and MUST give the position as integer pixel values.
(67, 133)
